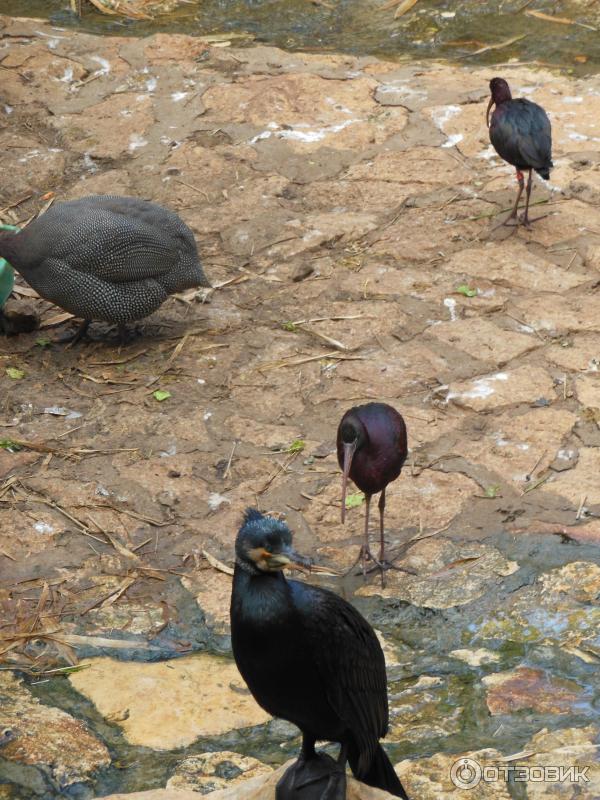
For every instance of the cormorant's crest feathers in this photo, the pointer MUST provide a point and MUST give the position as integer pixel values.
(252, 515)
(257, 524)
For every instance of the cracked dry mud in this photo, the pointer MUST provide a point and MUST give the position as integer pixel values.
(337, 197)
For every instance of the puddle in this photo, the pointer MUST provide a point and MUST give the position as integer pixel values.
(433, 29)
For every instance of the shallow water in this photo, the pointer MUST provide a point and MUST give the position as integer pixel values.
(450, 716)
(432, 29)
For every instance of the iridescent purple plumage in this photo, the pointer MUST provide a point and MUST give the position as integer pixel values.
(371, 449)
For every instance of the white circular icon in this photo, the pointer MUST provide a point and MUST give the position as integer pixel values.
(465, 773)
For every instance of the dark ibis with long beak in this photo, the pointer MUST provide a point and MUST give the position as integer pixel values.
(521, 134)
(310, 658)
(371, 449)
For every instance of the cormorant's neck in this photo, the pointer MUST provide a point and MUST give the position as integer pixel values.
(245, 571)
(245, 567)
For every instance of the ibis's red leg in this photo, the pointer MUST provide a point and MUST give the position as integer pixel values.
(512, 218)
(525, 218)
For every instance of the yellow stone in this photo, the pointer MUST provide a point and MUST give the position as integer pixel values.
(169, 704)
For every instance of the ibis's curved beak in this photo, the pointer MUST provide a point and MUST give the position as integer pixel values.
(489, 108)
(349, 450)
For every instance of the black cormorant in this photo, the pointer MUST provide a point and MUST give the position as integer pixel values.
(309, 657)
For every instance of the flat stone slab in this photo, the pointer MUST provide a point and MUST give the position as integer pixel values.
(169, 704)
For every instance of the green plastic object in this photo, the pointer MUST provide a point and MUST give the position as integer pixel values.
(7, 273)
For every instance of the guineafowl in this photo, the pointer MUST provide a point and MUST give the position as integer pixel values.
(115, 259)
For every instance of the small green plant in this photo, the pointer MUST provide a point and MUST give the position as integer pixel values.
(355, 500)
(289, 326)
(492, 491)
(14, 373)
(297, 446)
(8, 444)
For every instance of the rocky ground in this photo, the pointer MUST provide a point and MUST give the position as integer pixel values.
(345, 209)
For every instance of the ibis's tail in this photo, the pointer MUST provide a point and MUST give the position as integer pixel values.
(544, 171)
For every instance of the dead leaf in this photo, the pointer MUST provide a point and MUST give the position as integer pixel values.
(121, 9)
(25, 291)
(56, 320)
(452, 565)
(559, 20)
(111, 599)
(404, 8)
(498, 46)
(214, 562)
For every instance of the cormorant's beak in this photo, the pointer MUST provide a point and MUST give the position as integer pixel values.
(489, 108)
(288, 558)
(349, 450)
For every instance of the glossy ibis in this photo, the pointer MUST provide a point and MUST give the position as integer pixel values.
(371, 449)
(107, 258)
(309, 657)
(521, 134)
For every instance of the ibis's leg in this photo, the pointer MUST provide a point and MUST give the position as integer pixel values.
(512, 218)
(381, 539)
(366, 550)
(365, 553)
(525, 218)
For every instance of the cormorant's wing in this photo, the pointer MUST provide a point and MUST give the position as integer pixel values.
(350, 662)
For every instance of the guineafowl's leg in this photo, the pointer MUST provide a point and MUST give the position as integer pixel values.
(73, 338)
(123, 333)
(128, 333)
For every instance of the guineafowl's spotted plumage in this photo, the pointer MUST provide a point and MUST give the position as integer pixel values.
(115, 259)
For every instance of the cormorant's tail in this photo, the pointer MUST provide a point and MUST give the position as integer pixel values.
(380, 774)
